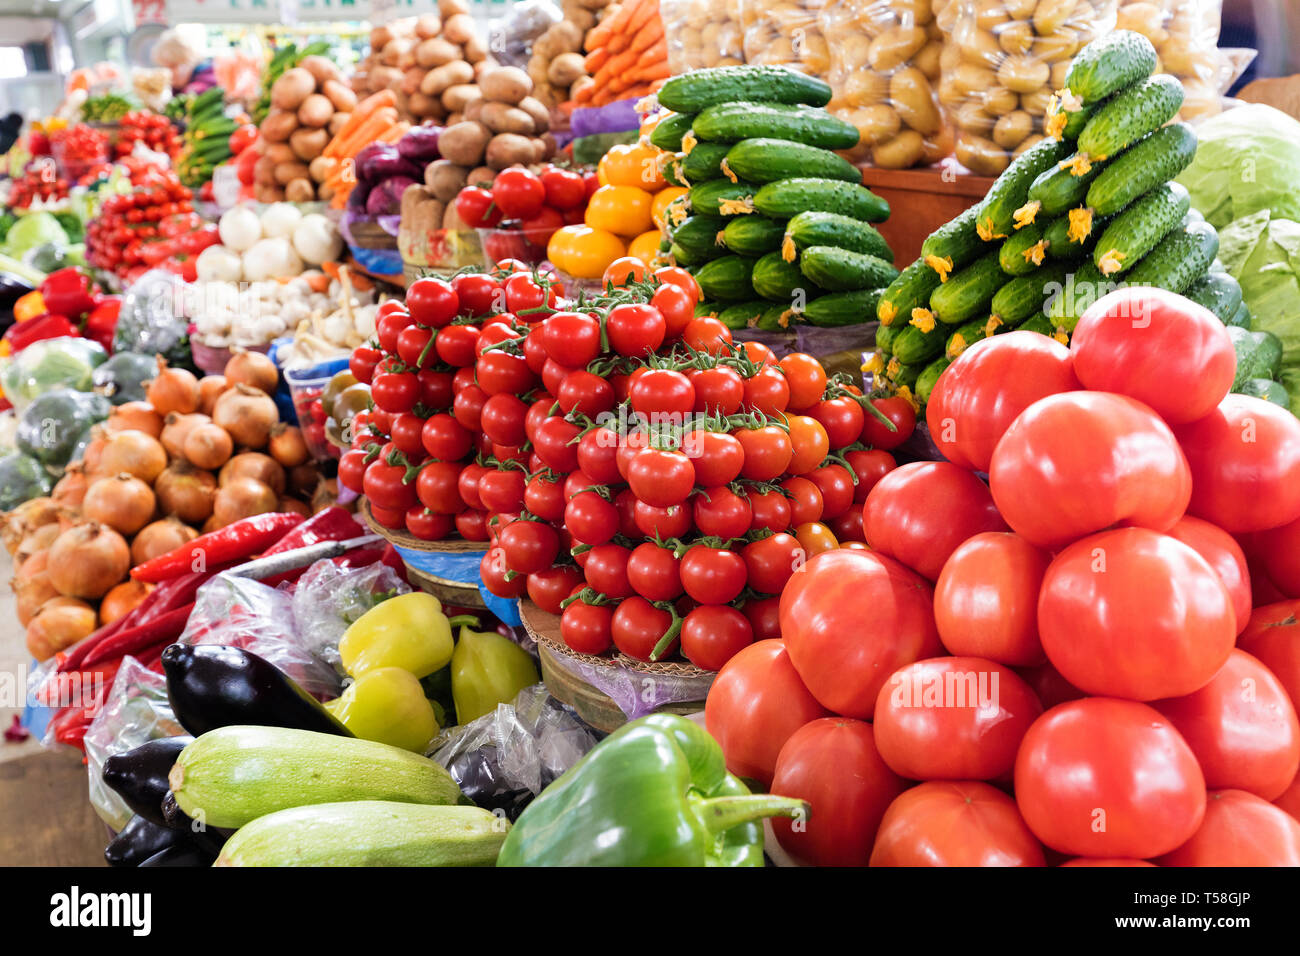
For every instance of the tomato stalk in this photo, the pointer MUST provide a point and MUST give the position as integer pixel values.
(670, 635)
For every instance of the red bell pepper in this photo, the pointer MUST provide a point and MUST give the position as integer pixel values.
(102, 321)
(68, 292)
(47, 326)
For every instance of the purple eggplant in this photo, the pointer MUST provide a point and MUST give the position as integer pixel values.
(420, 144)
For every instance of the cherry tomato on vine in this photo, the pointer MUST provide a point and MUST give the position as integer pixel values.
(432, 302)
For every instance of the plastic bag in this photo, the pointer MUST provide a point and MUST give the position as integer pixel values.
(135, 712)
(328, 598)
(884, 72)
(151, 320)
(702, 34)
(244, 613)
(788, 33)
(1185, 34)
(1000, 65)
(506, 758)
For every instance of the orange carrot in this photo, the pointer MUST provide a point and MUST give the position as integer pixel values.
(656, 71)
(595, 60)
(599, 35)
(364, 110)
(646, 11)
(369, 131)
(648, 35)
(652, 54)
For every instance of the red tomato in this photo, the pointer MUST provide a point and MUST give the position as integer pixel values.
(438, 487)
(654, 572)
(844, 655)
(1290, 800)
(1136, 614)
(756, 703)
(587, 628)
(1273, 636)
(953, 718)
(493, 569)
(767, 391)
(478, 294)
(637, 628)
(1157, 347)
(981, 393)
(919, 514)
(634, 330)
(383, 484)
(1104, 861)
(502, 490)
(764, 616)
(676, 305)
(806, 379)
(1278, 552)
(712, 575)
(502, 419)
(771, 510)
(770, 561)
(662, 392)
(1223, 554)
(901, 415)
(606, 570)
(1242, 727)
(661, 478)
(597, 455)
(869, 467)
(1244, 458)
(719, 390)
(707, 335)
(529, 546)
(675, 275)
(455, 345)
(716, 456)
(548, 588)
(1101, 777)
(835, 482)
(623, 271)
(433, 302)
(571, 338)
(671, 522)
(713, 634)
(590, 518)
(943, 823)
(1078, 462)
(833, 765)
(428, 525)
(805, 500)
(842, 418)
(395, 391)
(767, 452)
(986, 599)
(1049, 686)
(721, 513)
(1240, 829)
(564, 189)
(476, 206)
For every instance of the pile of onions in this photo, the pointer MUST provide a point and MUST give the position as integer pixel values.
(255, 465)
(186, 492)
(124, 503)
(60, 623)
(71, 489)
(94, 453)
(210, 389)
(248, 414)
(208, 445)
(26, 518)
(122, 600)
(159, 538)
(287, 445)
(37, 541)
(135, 416)
(254, 370)
(172, 390)
(135, 453)
(242, 498)
(87, 560)
(177, 428)
(32, 586)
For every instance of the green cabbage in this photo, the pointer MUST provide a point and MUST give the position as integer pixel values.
(21, 479)
(1247, 159)
(32, 230)
(66, 362)
(1262, 252)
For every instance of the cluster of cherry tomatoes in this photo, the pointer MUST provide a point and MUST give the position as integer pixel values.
(523, 209)
(116, 238)
(634, 470)
(40, 180)
(77, 148)
(153, 129)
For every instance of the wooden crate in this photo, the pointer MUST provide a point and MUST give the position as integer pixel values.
(920, 201)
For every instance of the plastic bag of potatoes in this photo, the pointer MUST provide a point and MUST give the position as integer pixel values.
(702, 33)
(1185, 34)
(885, 73)
(786, 33)
(1001, 62)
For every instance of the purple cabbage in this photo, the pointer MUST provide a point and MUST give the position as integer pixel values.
(386, 198)
(369, 157)
(420, 144)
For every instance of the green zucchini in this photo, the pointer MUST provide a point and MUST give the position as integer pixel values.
(721, 197)
(769, 160)
(1179, 259)
(668, 132)
(368, 833)
(929, 377)
(700, 89)
(1132, 114)
(789, 197)
(1057, 189)
(235, 774)
(1137, 230)
(779, 281)
(840, 270)
(954, 244)
(703, 163)
(742, 315)
(1241, 317)
(831, 229)
(1110, 63)
(844, 308)
(1023, 251)
(727, 279)
(1156, 159)
(967, 293)
(1268, 390)
(732, 122)
(753, 235)
(997, 216)
(911, 290)
(1022, 297)
(698, 235)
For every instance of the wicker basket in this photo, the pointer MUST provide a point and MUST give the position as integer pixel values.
(370, 235)
(445, 590)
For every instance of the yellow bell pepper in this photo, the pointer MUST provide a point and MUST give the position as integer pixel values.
(487, 669)
(409, 631)
(387, 705)
(29, 306)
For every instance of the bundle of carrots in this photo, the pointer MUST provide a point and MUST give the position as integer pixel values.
(375, 120)
(627, 55)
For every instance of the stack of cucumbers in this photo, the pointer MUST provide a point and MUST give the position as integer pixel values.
(1086, 208)
(776, 226)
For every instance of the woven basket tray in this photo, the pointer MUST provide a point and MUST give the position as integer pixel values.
(445, 590)
(371, 235)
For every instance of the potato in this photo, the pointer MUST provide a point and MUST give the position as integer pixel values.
(293, 86)
(281, 152)
(875, 124)
(286, 173)
(324, 192)
(1021, 9)
(927, 60)
(321, 167)
(483, 67)
(501, 118)
(937, 147)
(315, 111)
(538, 111)
(268, 194)
(300, 190)
(445, 179)
(1035, 103)
(1016, 37)
(549, 146)
(981, 156)
(1049, 15)
(865, 88)
(264, 169)
(581, 83)
(429, 25)
(998, 101)
(277, 126)
(436, 51)
(425, 107)
(507, 84)
(456, 98)
(398, 52)
(1010, 130)
(322, 69)
(476, 50)
(1029, 143)
(911, 96)
(464, 143)
(971, 119)
(1024, 74)
(342, 98)
(904, 150)
(1058, 46)
(459, 28)
(412, 77)
(449, 8)
(480, 174)
(474, 109)
(566, 68)
(451, 74)
(981, 48)
(508, 149)
(385, 78)
(306, 143)
(379, 37)
(894, 47)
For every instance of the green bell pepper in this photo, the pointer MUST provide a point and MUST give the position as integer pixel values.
(656, 792)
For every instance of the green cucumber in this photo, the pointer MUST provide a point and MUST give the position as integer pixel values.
(917, 344)
(997, 216)
(732, 122)
(700, 89)
(1064, 122)
(1057, 189)
(1137, 230)
(831, 229)
(1179, 259)
(775, 318)
(1082, 287)
(929, 376)
(911, 290)
(903, 375)
(964, 336)
(721, 197)
(1023, 251)
(1268, 390)
(1259, 354)
(1110, 63)
(685, 257)
(1039, 324)
(967, 293)
(840, 270)
(1241, 317)
(703, 163)
(1063, 240)
(844, 308)
(672, 172)
(1156, 159)
(1022, 297)
(954, 244)
(668, 132)
(779, 281)
(885, 335)
(768, 160)
(708, 310)
(753, 235)
(1132, 114)
(727, 279)
(233, 775)
(742, 315)
(369, 833)
(789, 197)
(698, 235)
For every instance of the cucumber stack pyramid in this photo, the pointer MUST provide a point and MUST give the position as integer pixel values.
(776, 226)
(1088, 207)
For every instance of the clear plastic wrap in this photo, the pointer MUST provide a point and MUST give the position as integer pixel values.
(884, 70)
(135, 712)
(787, 33)
(328, 598)
(1185, 34)
(702, 33)
(1000, 64)
(504, 759)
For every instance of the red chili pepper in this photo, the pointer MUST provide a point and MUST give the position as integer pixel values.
(68, 292)
(164, 628)
(102, 321)
(235, 542)
(47, 326)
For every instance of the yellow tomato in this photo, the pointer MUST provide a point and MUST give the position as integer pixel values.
(632, 164)
(583, 252)
(622, 210)
(662, 198)
(651, 120)
(814, 537)
(645, 246)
